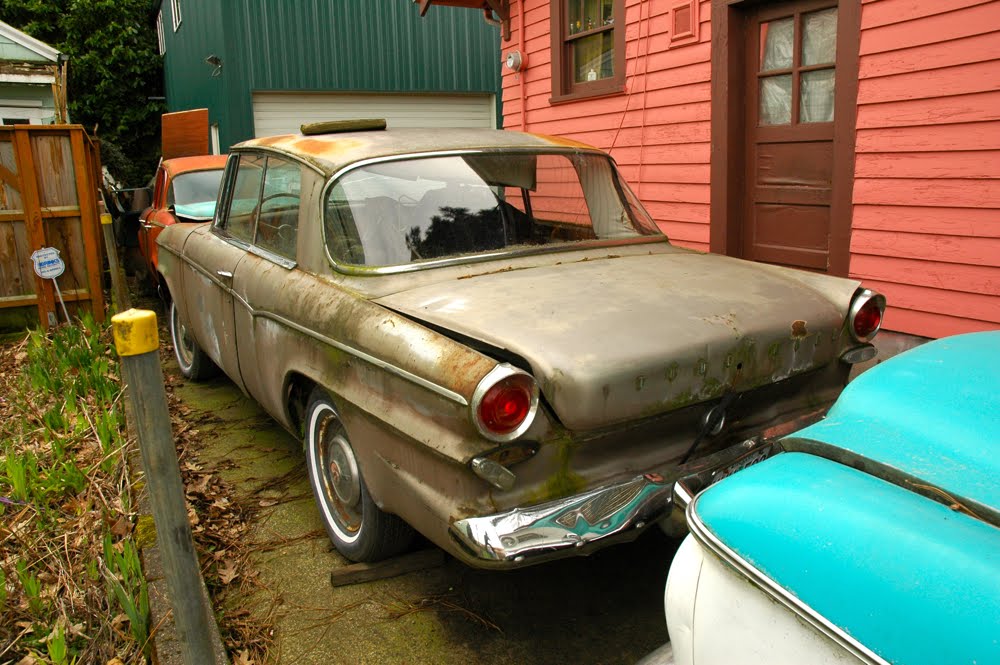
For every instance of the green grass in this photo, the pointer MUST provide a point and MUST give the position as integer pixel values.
(71, 584)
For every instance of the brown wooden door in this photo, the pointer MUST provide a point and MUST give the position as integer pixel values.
(791, 86)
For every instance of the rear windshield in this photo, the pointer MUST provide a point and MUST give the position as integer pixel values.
(408, 211)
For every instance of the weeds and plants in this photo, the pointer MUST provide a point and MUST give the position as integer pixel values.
(70, 581)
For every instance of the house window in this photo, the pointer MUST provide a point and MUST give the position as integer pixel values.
(175, 13)
(159, 33)
(588, 48)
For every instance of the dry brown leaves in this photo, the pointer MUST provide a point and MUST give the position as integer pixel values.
(220, 523)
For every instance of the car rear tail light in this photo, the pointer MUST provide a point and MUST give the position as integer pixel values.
(504, 403)
(865, 317)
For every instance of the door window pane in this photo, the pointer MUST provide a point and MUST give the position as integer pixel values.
(777, 40)
(816, 96)
(819, 37)
(246, 194)
(278, 225)
(776, 100)
(594, 57)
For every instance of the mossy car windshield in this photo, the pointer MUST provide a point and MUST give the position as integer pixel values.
(422, 209)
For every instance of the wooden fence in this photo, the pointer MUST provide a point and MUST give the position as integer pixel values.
(49, 180)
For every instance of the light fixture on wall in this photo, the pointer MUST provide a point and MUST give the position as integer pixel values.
(514, 61)
(216, 62)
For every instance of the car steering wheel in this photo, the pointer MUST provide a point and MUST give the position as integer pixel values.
(278, 195)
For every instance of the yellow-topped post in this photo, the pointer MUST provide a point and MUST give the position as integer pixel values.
(135, 332)
(137, 342)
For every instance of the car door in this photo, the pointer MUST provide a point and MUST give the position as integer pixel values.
(214, 302)
(259, 279)
(147, 241)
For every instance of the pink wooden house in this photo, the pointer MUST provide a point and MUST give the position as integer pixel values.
(857, 138)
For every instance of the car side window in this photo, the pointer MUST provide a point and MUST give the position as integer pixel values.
(278, 216)
(241, 217)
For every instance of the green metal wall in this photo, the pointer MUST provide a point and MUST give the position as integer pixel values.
(320, 45)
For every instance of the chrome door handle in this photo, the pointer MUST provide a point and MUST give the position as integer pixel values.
(224, 273)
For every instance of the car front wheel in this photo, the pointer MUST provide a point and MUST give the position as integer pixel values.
(359, 529)
(194, 363)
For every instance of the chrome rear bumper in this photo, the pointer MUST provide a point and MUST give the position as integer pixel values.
(585, 522)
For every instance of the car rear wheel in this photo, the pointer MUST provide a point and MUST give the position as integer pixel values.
(359, 529)
(194, 363)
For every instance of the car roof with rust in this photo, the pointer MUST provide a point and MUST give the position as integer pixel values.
(178, 165)
(331, 152)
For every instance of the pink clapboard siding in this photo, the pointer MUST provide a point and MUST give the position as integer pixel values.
(926, 223)
(658, 131)
(926, 198)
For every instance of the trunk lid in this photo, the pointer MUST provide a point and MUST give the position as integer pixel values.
(614, 338)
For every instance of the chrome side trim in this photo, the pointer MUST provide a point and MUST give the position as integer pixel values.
(268, 255)
(357, 353)
(728, 556)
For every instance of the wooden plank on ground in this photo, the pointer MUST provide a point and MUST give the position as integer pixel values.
(356, 573)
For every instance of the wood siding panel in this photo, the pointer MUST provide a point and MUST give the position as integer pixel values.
(957, 80)
(682, 212)
(888, 12)
(958, 109)
(926, 222)
(970, 222)
(986, 308)
(907, 33)
(978, 48)
(925, 246)
(931, 138)
(682, 231)
(932, 324)
(933, 274)
(958, 164)
(937, 192)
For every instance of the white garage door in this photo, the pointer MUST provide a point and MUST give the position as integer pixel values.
(283, 112)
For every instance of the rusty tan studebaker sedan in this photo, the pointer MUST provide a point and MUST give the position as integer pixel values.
(483, 336)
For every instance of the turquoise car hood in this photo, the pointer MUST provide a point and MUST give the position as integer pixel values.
(910, 579)
(890, 529)
(932, 413)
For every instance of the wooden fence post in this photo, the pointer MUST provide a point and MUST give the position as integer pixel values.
(137, 342)
(119, 293)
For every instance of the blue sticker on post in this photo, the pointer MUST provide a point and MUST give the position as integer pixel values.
(47, 263)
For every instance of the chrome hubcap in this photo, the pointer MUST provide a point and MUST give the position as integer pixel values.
(342, 472)
(338, 474)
